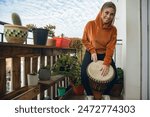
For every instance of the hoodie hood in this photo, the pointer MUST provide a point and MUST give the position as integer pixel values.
(100, 24)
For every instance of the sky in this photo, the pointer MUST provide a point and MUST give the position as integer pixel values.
(69, 16)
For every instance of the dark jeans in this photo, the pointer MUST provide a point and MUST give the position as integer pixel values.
(84, 77)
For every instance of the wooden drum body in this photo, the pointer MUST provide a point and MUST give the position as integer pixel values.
(97, 81)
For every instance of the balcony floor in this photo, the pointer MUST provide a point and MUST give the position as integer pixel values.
(71, 96)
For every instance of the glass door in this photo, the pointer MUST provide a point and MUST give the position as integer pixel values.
(145, 50)
(148, 48)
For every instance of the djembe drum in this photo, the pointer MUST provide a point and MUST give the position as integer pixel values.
(97, 81)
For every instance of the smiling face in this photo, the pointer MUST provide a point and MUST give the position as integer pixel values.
(107, 15)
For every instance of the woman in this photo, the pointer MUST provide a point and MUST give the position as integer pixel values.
(99, 39)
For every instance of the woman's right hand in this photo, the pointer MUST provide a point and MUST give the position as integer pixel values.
(94, 57)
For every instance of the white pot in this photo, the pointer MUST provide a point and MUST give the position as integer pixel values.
(32, 79)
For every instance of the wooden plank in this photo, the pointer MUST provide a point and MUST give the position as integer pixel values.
(31, 93)
(7, 52)
(14, 93)
(57, 86)
(61, 83)
(34, 64)
(31, 46)
(54, 89)
(42, 89)
(49, 60)
(49, 92)
(53, 60)
(16, 73)
(42, 60)
(26, 68)
(47, 52)
(2, 76)
(12, 50)
(53, 80)
(49, 84)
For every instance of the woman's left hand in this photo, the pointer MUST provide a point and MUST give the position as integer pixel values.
(104, 70)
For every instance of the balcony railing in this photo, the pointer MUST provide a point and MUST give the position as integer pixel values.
(31, 56)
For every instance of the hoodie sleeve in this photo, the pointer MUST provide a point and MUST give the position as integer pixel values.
(86, 41)
(110, 48)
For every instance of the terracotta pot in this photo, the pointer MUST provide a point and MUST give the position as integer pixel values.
(116, 90)
(78, 90)
(51, 43)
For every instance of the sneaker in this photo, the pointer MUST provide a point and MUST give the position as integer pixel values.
(105, 97)
(90, 97)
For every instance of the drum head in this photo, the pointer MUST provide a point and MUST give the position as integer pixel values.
(94, 73)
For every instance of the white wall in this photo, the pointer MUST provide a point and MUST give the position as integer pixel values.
(132, 58)
(120, 23)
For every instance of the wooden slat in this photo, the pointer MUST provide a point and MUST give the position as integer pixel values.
(54, 91)
(14, 51)
(16, 76)
(57, 86)
(29, 94)
(27, 68)
(34, 64)
(54, 79)
(42, 60)
(65, 82)
(13, 94)
(2, 76)
(53, 60)
(35, 67)
(61, 83)
(49, 60)
(49, 91)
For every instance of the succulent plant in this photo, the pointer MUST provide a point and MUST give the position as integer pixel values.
(31, 26)
(16, 19)
(49, 27)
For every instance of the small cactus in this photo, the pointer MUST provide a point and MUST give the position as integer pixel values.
(16, 19)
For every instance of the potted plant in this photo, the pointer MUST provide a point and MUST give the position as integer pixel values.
(40, 35)
(15, 33)
(44, 72)
(70, 67)
(118, 86)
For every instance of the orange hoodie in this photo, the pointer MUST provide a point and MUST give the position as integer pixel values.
(100, 38)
